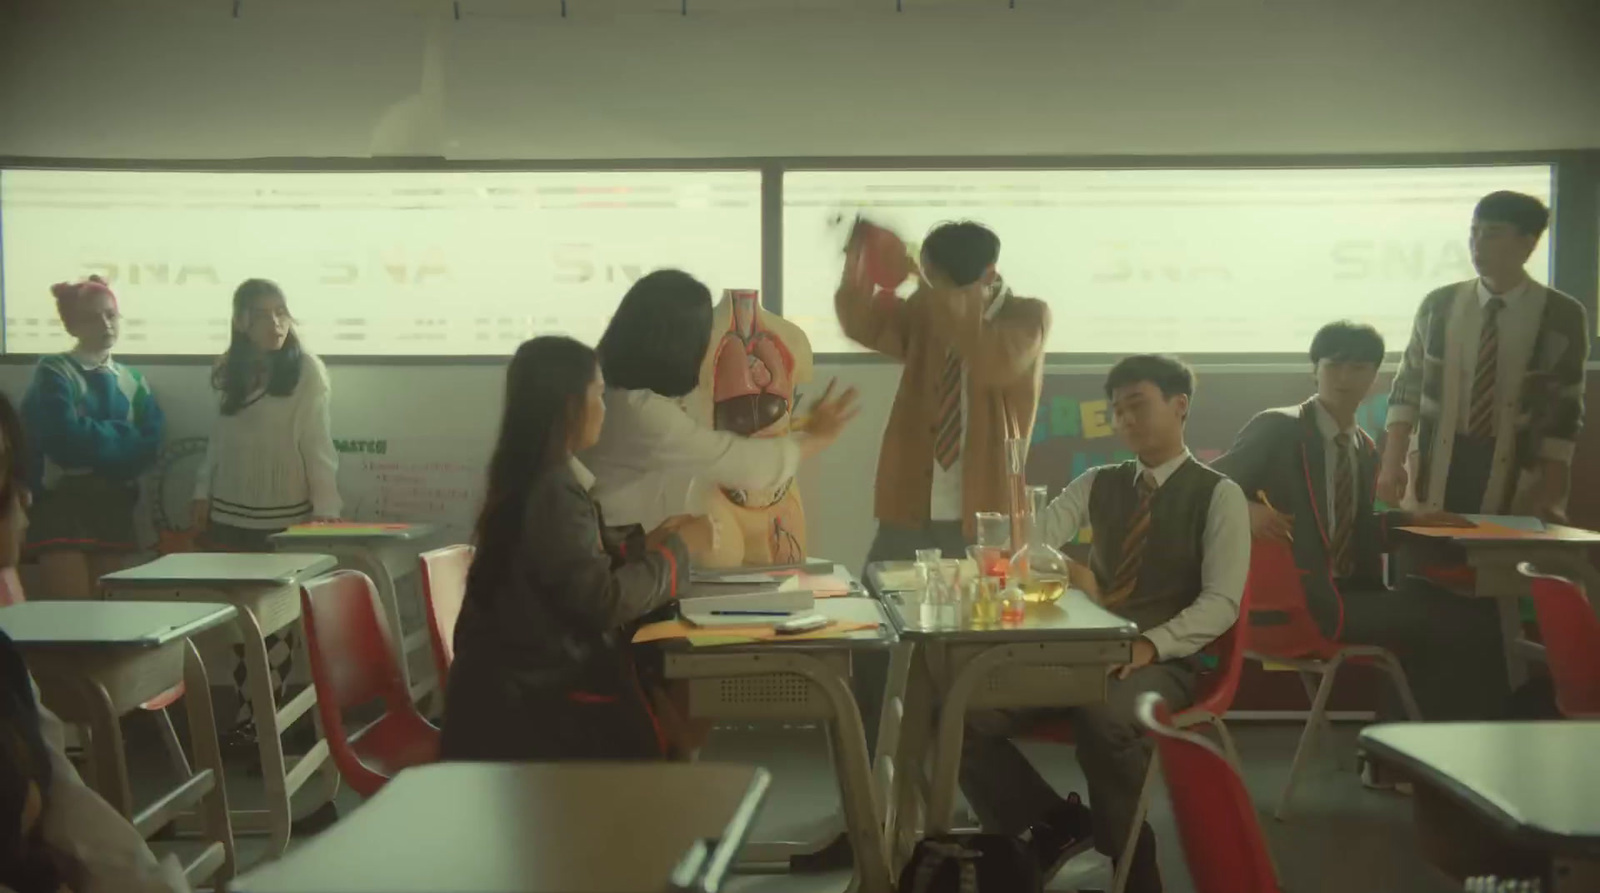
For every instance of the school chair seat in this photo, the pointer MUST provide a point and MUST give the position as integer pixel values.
(1283, 632)
(354, 662)
(1222, 840)
(1570, 632)
(1212, 702)
(444, 588)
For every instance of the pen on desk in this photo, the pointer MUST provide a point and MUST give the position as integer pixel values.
(1262, 495)
(751, 613)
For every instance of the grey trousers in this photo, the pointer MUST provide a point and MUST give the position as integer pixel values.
(1009, 794)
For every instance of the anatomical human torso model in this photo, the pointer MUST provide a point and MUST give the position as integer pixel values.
(748, 386)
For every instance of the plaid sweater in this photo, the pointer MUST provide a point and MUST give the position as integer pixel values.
(102, 420)
(1549, 386)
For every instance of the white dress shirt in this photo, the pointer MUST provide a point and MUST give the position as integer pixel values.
(1223, 568)
(653, 461)
(1518, 324)
(944, 503)
(1330, 472)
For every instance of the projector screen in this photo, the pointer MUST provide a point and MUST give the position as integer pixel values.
(451, 263)
(1179, 261)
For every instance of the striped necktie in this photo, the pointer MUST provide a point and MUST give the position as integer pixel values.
(1344, 507)
(1133, 543)
(947, 432)
(1480, 420)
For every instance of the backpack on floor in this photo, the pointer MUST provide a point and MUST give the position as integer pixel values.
(971, 863)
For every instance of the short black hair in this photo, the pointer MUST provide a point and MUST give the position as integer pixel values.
(1354, 342)
(658, 337)
(1170, 374)
(1526, 213)
(962, 250)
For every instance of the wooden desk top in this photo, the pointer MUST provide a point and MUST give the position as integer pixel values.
(221, 570)
(111, 624)
(1534, 780)
(529, 828)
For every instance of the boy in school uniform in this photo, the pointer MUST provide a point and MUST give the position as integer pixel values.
(1164, 503)
(1310, 470)
(972, 357)
(1489, 396)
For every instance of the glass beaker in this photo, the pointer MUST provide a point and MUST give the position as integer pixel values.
(1038, 569)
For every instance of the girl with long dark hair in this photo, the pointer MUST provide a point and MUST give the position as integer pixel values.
(271, 462)
(95, 428)
(542, 668)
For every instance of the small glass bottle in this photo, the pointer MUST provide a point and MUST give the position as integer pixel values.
(932, 579)
(985, 609)
(1038, 569)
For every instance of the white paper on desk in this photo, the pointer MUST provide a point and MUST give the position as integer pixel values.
(1525, 523)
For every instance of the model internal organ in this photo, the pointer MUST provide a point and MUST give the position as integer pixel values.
(748, 387)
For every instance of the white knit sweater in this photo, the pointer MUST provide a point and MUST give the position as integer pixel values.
(272, 464)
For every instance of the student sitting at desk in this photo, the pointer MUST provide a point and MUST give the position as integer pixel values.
(1164, 503)
(95, 428)
(542, 668)
(56, 835)
(652, 458)
(1312, 471)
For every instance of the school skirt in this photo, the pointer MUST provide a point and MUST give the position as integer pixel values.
(83, 513)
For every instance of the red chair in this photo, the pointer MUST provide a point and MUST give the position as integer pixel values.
(444, 586)
(354, 662)
(1293, 639)
(1570, 632)
(1212, 703)
(1222, 840)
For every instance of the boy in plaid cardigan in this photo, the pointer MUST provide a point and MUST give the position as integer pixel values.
(1485, 411)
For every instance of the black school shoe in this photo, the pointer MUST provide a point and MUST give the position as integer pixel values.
(1067, 831)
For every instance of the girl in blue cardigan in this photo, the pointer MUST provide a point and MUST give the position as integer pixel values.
(93, 428)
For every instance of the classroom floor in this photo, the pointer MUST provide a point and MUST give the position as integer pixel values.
(1342, 839)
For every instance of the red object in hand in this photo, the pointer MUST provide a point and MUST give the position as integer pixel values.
(883, 254)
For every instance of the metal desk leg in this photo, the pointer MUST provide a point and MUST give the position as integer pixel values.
(907, 801)
(216, 821)
(264, 706)
(952, 732)
(890, 719)
(106, 746)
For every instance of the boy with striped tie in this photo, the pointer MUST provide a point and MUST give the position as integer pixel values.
(1489, 396)
(1164, 503)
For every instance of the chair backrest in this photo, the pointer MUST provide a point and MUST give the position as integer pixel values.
(11, 588)
(1281, 624)
(444, 586)
(1217, 822)
(353, 654)
(1217, 690)
(1571, 635)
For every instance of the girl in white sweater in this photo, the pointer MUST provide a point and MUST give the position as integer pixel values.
(271, 462)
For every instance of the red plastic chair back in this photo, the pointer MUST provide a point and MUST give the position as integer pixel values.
(1571, 634)
(11, 588)
(1276, 589)
(1218, 688)
(1221, 835)
(354, 662)
(444, 587)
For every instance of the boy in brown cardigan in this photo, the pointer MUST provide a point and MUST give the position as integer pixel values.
(972, 354)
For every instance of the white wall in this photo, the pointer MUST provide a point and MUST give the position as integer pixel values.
(631, 78)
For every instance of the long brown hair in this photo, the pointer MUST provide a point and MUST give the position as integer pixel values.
(546, 386)
(235, 373)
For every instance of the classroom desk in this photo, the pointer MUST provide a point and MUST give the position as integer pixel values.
(801, 679)
(96, 662)
(1494, 559)
(1056, 656)
(388, 553)
(266, 591)
(531, 828)
(1487, 792)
